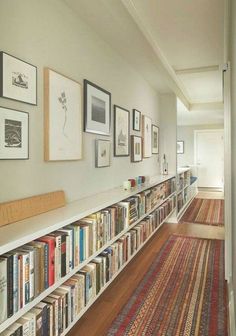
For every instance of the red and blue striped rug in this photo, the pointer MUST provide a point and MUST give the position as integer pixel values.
(182, 294)
(205, 211)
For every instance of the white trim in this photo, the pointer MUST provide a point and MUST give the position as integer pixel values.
(232, 330)
(227, 175)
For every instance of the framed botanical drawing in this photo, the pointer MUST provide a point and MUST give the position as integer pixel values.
(136, 120)
(97, 109)
(102, 153)
(63, 117)
(18, 79)
(180, 147)
(14, 134)
(147, 136)
(155, 139)
(136, 148)
(121, 131)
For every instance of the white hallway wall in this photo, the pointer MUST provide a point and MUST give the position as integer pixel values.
(47, 33)
(186, 134)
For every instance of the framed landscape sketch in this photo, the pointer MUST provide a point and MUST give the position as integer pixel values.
(18, 79)
(97, 109)
(155, 139)
(102, 153)
(121, 131)
(180, 147)
(147, 136)
(136, 148)
(14, 134)
(63, 117)
(136, 120)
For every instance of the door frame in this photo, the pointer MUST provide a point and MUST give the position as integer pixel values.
(212, 130)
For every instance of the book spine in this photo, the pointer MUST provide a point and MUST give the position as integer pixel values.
(31, 269)
(63, 255)
(81, 244)
(3, 290)
(51, 271)
(45, 321)
(46, 265)
(15, 283)
(26, 278)
(10, 286)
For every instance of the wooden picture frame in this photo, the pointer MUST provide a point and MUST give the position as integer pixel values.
(121, 131)
(136, 120)
(97, 109)
(62, 117)
(14, 134)
(102, 153)
(136, 148)
(18, 79)
(147, 136)
(180, 147)
(155, 139)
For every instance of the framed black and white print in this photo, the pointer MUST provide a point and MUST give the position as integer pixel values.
(147, 136)
(102, 153)
(180, 147)
(136, 148)
(136, 120)
(155, 139)
(97, 109)
(14, 134)
(121, 131)
(18, 79)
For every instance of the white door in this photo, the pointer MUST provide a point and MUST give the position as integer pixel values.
(209, 158)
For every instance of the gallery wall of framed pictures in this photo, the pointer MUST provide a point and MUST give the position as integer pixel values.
(63, 115)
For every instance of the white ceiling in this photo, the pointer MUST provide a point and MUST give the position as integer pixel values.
(177, 45)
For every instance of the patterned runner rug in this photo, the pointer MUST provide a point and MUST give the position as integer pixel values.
(182, 294)
(205, 211)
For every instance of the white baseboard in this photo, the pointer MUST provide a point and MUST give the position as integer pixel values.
(232, 330)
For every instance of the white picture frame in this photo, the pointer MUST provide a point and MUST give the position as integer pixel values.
(136, 120)
(136, 148)
(63, 117)
(155, 139)
(121, 131)
(147, 136)
(14, 134)
(180, 147)
(18, 79)
(102, 153)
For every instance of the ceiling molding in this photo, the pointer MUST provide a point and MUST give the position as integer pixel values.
(179, 89)
(207, 106)
(197, 70)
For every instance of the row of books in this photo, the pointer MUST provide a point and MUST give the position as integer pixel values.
(57, 311)
(27, 271)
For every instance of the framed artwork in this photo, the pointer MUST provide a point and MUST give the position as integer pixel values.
(63, 117)
(102, 153)
(155, 139)
(136, 120)
(97, 109)
(147, 136)
(180, 147)
(121, 131)
(18, 79)
(136, 148)
(14, 134)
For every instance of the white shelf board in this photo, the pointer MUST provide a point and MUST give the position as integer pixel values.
(49, 290)
(182, 170)
(90, 303)
(22, 232)
(184, 208)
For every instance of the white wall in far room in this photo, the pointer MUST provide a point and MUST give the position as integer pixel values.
(186, 134)
(49, 34)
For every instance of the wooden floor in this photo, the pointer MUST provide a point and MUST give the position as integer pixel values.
(100, 316)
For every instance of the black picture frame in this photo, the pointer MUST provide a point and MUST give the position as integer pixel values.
(135, 113)
(120, 109)
(92, 126)
(181, 144)
(98, 143)
(21, 84)
(13, 135)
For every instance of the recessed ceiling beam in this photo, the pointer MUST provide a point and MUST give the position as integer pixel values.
(206, 106)
(197, 70)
